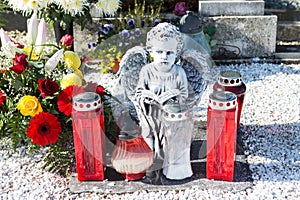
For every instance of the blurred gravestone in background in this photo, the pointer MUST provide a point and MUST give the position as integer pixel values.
(288, 28)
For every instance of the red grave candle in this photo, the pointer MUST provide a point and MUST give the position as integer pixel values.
(221, 136)
(232, 81)
(89, 138)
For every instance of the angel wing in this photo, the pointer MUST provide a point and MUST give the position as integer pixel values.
(130, 67)
(197, 70)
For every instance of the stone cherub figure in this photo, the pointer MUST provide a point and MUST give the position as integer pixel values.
(162, 93)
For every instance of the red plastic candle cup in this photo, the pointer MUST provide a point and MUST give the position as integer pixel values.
(131, 155)
(232, 81)
(89, 137)
(221, 136)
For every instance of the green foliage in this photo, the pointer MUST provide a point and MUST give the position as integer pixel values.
(209, 31)
(55, 13)
(60, 157)
(3, 7)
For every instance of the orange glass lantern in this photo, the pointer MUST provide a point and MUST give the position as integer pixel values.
(89, 138)
(131, 155)
(232, 81)
(221, 136)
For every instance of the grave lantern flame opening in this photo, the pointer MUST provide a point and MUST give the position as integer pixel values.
(89, 137)
(221, 136)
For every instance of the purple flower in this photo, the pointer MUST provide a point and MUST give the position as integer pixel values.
(156, 21)
(138, 32)
(125, 33)
(180, 9)
(106, 28)
(130, 22)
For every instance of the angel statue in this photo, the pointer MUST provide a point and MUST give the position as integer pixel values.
(162, 83)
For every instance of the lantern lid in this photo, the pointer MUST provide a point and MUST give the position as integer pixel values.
(176, 112)
(86, 101)
(222, 100)
(230, 78)
(190, 23)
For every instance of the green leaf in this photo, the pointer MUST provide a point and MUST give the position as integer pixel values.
(213, 43)
(17, 84)
(210, 30)
(38, 65)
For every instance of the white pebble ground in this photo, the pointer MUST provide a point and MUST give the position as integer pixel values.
(270, 120)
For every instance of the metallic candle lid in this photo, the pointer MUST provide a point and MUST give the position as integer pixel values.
(230, 78)
(175, 112)
(222, 100)
(86, 101)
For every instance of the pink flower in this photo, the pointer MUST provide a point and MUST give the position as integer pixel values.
(67, 40)
(180, 9)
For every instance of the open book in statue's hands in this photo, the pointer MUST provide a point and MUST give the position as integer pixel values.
(149, 96)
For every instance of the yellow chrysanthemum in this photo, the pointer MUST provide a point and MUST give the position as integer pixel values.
(70, 79)
(29, 105)
(72, 60)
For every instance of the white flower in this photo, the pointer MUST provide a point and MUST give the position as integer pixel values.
(26, 6)
(41, 36)
(108, 7)
(32, 29)
(9, 49)
(53, 61)
(72, 7)
(4, 37)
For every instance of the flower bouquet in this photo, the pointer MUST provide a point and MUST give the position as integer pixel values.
(37, 84)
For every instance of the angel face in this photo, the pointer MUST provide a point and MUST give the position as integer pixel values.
(163, 59)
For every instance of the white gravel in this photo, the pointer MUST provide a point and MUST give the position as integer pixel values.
(270, 120)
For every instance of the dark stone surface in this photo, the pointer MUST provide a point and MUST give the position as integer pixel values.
(13, 21)
(115, 182)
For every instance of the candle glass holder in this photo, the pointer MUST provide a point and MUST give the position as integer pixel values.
(89, 137)
(221, 136)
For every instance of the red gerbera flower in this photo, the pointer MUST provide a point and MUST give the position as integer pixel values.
(44, 129)
(65, 97)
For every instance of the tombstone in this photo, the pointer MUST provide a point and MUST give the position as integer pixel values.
(242, 28)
